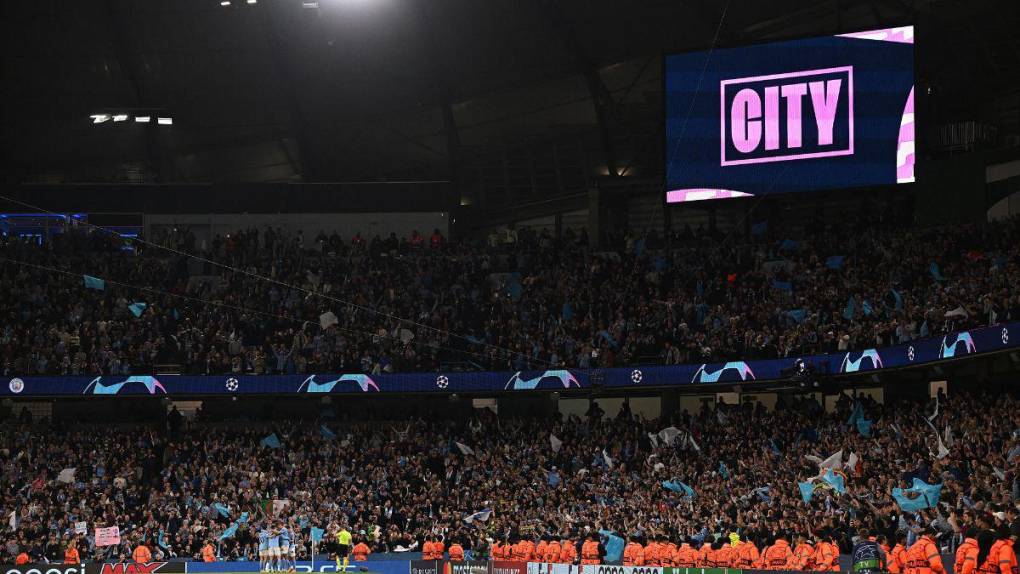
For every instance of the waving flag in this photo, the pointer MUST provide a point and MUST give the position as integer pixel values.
(555, 443)
(864, 427)
(835, 481)
(223, 509)
(482, 516)
(669, 434)
(271, 441)
(137, 308)
(677, 486)
(326, 433)
(614, 545)
(919, 496)
(850, 309)
(935, 273)
(807, 490)
(725, 472)
(464, 449)
(316, 534)
(94, 283)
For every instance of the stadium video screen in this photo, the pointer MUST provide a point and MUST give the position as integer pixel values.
(793, 116)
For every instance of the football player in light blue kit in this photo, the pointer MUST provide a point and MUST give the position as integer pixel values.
(264, 549)
(285, 547)
(274, 549)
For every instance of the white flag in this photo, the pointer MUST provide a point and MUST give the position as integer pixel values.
(813, 458)
(998, 473)
(654, 440)
(721, 417)
(464, 449)
(555, 443)
(328, 319)
(482, 515)
(66, 476)
(835, 462)
(606, 459)
(851, 462)
(949, 436)
(943, 451)
(13, 521)
(669, 434)
(936, 413)
(81, 528)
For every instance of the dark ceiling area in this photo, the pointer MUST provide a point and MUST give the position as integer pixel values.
(480, 92)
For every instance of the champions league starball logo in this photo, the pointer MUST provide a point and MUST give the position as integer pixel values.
(853, 366)
(99, 387)
(442, 381)
(310, 385)
(565, 378)
(962, 344)
(742, 369)
(16, 385)
(232, 384)
(636, 376)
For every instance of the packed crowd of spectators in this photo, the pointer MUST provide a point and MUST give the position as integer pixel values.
(416, 303)
(394, 485)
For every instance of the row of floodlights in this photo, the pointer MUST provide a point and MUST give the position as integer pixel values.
(311, 4)
(103, 118)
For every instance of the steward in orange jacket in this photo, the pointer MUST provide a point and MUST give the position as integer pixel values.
(686, 556)
(591, 551)
(633, 554)
(923, 557)
(568, 552)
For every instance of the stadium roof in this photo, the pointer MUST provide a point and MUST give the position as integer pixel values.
(299, 90)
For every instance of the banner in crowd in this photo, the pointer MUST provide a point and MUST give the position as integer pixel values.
(108, 536)
(954, 346)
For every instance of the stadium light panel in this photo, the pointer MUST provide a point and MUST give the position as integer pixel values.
(252, 1)
(120, 117)
(310, 5)
(99, 118)
(142, 119)
(225, 3)
(165, 121)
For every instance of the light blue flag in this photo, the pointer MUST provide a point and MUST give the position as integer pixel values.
(898, 299)
(725, 472)
(866, 307)
(326, 433)
(864, 427)
(94, 283)
(677, 486)
(857, 414)
(137, 308)
(316, 534)
(782, 285)
(835, 481)
(271, 441)
(302, 522)
(918, 497)
(614, 546)
(936, 274)
(243, 519)
(797, 315)
(807, 490)
(161, 540)
(850, 309)
(835, 262)
(229, 532)
(775, 447)
(222, 509)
